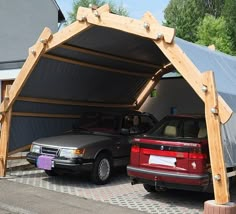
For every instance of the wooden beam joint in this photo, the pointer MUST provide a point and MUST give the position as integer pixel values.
(147, 27)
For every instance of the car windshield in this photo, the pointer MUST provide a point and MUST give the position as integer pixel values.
(100, 123)
(177, 127)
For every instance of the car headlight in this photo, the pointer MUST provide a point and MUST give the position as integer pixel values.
(35, 148)
(71, 153)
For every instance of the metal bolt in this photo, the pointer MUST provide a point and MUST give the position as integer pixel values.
(217, 177)
(96, 14)
(214, 110)
(146, 25)
(204, 88)
(44, 41)
(159, 35)
(82, 19)
(33, 52)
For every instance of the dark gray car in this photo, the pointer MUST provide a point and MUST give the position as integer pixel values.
(99, 144)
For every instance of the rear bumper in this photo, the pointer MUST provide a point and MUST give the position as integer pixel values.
(176, 180)
(68, 165)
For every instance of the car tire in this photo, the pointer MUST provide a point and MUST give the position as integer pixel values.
(149, 188)
(50, 172)
(102, 169)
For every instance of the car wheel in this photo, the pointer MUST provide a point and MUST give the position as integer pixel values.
(51, 172)
(149, 188)
(102, 169)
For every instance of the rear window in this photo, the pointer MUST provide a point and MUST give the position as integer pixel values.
(100, 122)
(168, 128)
(181, 128)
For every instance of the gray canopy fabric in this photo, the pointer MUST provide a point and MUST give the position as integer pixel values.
(224, 67)
(94, 83)
(108, 66)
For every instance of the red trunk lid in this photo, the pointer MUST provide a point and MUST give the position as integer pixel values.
(169, 155)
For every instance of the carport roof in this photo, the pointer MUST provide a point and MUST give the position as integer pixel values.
(108, 60)
(99, 65)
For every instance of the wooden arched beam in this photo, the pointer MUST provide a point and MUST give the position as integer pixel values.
(151, 85)
(219, 176)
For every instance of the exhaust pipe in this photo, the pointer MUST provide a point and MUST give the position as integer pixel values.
(134, 181)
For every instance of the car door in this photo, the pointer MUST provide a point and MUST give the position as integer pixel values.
(132, 125)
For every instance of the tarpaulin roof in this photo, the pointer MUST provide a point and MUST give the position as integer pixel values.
(100, 65)
(223, 65)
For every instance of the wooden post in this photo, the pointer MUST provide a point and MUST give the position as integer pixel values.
(5, 134)
(218, 168)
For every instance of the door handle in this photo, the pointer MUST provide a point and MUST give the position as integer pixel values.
(117, 145)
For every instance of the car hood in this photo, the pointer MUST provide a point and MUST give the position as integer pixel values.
(72, 140)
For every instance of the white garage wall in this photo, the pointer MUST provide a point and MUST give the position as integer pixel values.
(173, 95)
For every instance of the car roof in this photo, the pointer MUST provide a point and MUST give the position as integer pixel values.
(185, 116)
(126, 112)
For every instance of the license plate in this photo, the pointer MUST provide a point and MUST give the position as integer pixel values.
(167, 161)
(45, 162)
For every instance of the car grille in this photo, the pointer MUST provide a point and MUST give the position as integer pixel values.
(49, 151)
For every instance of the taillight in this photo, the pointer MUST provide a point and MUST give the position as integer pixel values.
(196, 153)
(135, 148)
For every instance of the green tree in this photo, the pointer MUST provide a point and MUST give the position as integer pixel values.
(229, 13)
(85, 3)
(184, 16)
(214, 31)
(214, 7)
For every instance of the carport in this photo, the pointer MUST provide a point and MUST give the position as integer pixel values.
(108, 62)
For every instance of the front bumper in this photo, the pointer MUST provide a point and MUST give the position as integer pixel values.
(176, 180)
(68, 165)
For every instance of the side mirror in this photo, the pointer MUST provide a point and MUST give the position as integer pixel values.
(124, 131)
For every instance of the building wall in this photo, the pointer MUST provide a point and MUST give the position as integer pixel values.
(174, 96)
(22, 21)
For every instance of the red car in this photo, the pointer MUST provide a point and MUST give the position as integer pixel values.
(172, 155)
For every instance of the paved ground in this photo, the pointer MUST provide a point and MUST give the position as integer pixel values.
(118, 192)
(16, 198)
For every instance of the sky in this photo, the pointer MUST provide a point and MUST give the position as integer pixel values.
(136, 8)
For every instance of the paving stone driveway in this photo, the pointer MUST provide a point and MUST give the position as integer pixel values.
(118, 192)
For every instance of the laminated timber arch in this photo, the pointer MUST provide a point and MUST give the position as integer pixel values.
(51, 48)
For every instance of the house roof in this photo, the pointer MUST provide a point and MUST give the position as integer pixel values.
(61, 17)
